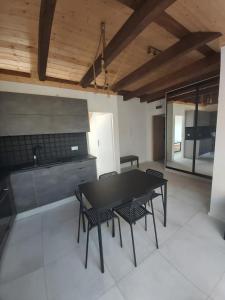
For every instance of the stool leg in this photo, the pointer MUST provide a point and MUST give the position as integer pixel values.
(87, 244)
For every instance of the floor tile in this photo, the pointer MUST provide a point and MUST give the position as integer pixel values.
(198, 259)
(163, 233)
(120, 260)
(156, 279)
(54, 218)
(218, 292)
(67, 279)
(21, 258)
(60, 240)
(203, 225)
(112, 294)
(26, 228)
(28, 287)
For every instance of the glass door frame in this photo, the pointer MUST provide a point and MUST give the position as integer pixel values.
(195, 88)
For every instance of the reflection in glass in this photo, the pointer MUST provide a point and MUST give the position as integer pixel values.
(179, 143)
(191, 128)
(206, 132)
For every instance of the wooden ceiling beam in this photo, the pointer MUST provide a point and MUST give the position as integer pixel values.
(188, 43)
(47, 10)
(184, 86)
(15, 73)
(146, 13)
(169, 24)
(196, 69)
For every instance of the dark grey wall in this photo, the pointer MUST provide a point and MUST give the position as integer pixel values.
(22, 114)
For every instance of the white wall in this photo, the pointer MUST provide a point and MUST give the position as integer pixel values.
(132, 128)
(96, 103)
(217, 206)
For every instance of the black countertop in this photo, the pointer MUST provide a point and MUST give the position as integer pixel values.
(44, 164)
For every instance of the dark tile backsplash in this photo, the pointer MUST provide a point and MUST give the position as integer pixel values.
(18, 150)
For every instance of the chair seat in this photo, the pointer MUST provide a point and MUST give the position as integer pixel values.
(132, 216)
(155, 194)
(104, 216)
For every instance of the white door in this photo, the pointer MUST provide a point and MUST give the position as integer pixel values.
(101, 141)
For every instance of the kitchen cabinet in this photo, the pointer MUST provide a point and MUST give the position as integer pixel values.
(26, 114)
(45, 185)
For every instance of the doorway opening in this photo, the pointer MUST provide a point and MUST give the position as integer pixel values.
(159, 138)
(101, 141)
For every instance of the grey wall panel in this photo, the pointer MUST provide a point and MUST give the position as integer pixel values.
(22, 114)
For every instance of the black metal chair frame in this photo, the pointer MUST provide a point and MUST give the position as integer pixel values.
(92, 217)
(155, 194)
(134, 211)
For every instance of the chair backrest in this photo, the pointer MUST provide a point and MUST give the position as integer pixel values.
(107, 175)
(154, 173)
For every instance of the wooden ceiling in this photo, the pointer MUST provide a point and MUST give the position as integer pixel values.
(74, 37)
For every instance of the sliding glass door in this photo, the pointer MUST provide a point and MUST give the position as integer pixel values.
(191, 128)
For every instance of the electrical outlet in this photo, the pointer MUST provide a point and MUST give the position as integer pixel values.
(74, 148)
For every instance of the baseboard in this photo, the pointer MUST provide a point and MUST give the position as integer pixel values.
(188, 175)
(44, 208)
(217, 216)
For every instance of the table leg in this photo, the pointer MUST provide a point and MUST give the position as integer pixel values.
(165, 204)
(100, 245)
(131, 163)
(138, 163)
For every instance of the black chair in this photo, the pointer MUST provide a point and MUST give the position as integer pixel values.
(157, 194)
(134, 211)
(107, 175)
(92, 218)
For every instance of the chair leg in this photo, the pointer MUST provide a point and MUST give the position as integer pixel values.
(163, 200)
(113, 227)
(87, 244)
(145, 220)
(78, 233)
(121, 243)
(83, 220)
(153, 218)
(132, 236)
(107, 223)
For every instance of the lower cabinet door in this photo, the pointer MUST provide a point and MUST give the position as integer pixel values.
(23, 191)
(54, 184)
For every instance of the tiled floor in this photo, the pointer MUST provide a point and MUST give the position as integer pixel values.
(43, 261)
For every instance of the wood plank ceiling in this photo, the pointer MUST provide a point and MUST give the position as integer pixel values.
(75, 34)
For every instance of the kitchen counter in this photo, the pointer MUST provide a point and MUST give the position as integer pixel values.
(45, 164)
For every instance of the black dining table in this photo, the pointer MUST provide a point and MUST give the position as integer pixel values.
(120, 189)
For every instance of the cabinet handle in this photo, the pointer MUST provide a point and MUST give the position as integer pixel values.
(5, 190)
